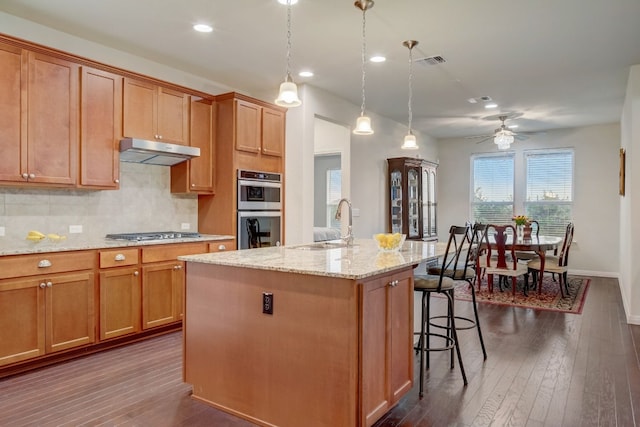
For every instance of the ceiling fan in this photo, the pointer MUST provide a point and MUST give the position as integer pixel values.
(503, 136)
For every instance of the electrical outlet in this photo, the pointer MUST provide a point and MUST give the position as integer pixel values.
(267, 302)
(1, 231)
(185, 226)
(75, 229)
(355, 212)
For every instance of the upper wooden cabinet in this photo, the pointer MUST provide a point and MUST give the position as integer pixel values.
(155, 113)
(38, 118)
(197, 175)
(100, 128)
(259, 129)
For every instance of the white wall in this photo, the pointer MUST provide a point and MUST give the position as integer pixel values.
(594, 252)
(629, 230)
(366, 175)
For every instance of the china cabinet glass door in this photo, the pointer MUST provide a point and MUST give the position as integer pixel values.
(396, 201)
(413, 189)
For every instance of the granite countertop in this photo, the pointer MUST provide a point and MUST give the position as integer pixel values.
(73, 243)
(357, 262)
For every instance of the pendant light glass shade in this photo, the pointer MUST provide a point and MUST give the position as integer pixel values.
(363, 123)
(409, 142)
(410, 139)
(363, 126)
(288, 95)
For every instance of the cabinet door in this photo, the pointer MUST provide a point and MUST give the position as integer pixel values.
(52, 120)
(13, 83)
(201, 168)
(414, 205)
(100, 124)
(387, 343)
(139, 110)
(119, 302)
(70, 317)
(273, 129)
(173, 116)
(22, 314)
(247, 126)
(159, 286)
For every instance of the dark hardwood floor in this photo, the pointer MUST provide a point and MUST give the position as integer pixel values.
(544, 369)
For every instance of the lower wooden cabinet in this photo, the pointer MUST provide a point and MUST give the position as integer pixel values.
(162, 293)
(119, 302)
(387, 343)
(46, 314)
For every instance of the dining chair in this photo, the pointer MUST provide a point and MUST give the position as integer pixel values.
(445, 285)
(504, 263)
(556, 264)
(529, 255)
(462, 269)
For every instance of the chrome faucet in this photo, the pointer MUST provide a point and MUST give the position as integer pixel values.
(348, 239)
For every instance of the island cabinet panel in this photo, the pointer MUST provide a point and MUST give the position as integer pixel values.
(297, 366)
(100, 128)
(387, 342)
(334, 352)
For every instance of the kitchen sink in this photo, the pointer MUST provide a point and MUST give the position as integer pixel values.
(319, 246)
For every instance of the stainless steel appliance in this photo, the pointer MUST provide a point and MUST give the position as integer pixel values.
(259, 209)
(135, 150)
(154, 235)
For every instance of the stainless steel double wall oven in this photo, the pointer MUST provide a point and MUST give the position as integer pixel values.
(259, 209)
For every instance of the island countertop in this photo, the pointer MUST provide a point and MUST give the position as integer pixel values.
(330, 259)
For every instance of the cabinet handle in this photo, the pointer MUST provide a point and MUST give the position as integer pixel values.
(32, 175)
(135, 273)
(44, 263)
(49, 284)
(25, 175)
(177, 267)
(222, 248)
(117, 181)
(43, 285)
(119, 257)
(193, 185)
(393, 283)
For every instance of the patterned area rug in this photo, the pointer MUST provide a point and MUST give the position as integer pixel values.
(549, 299)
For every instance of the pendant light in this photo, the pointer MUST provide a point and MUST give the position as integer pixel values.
(410, 139)
(288, 95)
(363, 123)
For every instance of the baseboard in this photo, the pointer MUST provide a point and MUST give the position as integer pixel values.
(592, 273)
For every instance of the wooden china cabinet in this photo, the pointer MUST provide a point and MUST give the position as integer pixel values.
(412, 198)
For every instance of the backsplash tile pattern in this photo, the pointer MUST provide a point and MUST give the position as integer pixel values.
(143, 203)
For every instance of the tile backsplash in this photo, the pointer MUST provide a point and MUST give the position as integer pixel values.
(144, 202)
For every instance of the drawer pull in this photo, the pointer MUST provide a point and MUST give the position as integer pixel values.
(222, 248)
(49, 284)
(43, 285)
(120, 257)
(44, 263)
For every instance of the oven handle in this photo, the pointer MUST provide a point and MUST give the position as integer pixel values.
(245, 213)
(259, 183)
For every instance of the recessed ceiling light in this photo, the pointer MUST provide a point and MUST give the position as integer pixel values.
(288, 1)
(377, 58)
(305, 73)
(203, 28)
(491, 105)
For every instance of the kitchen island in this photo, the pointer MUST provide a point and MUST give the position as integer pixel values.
(313, 335)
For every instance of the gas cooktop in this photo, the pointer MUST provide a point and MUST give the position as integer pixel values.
(155, 235)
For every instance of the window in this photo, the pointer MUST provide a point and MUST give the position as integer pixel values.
(334, 191)
(492, 178)
(549, 189)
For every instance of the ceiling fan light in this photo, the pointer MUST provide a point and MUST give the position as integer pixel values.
(409, 142)
(363, 126)
(288, 95)
(503, 138)
(502, 146)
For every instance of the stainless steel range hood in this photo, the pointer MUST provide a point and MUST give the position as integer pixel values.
(135, 150)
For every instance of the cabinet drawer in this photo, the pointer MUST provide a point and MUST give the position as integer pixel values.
(171, 252)
(46, 263)
(119, 257)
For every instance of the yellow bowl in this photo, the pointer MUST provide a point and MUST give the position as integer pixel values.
(389, 242)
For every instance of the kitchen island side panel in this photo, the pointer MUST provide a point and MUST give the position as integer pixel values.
(300, 363)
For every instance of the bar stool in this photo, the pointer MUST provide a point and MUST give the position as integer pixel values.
(463, 267)
(428, 284)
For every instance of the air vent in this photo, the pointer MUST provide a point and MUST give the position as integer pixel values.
(431, 60)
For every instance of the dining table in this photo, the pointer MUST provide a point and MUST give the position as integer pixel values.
(537, 244)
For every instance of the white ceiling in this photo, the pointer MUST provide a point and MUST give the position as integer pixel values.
(556, 63)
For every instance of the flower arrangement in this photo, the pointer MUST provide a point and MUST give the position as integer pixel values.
(520, 220)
